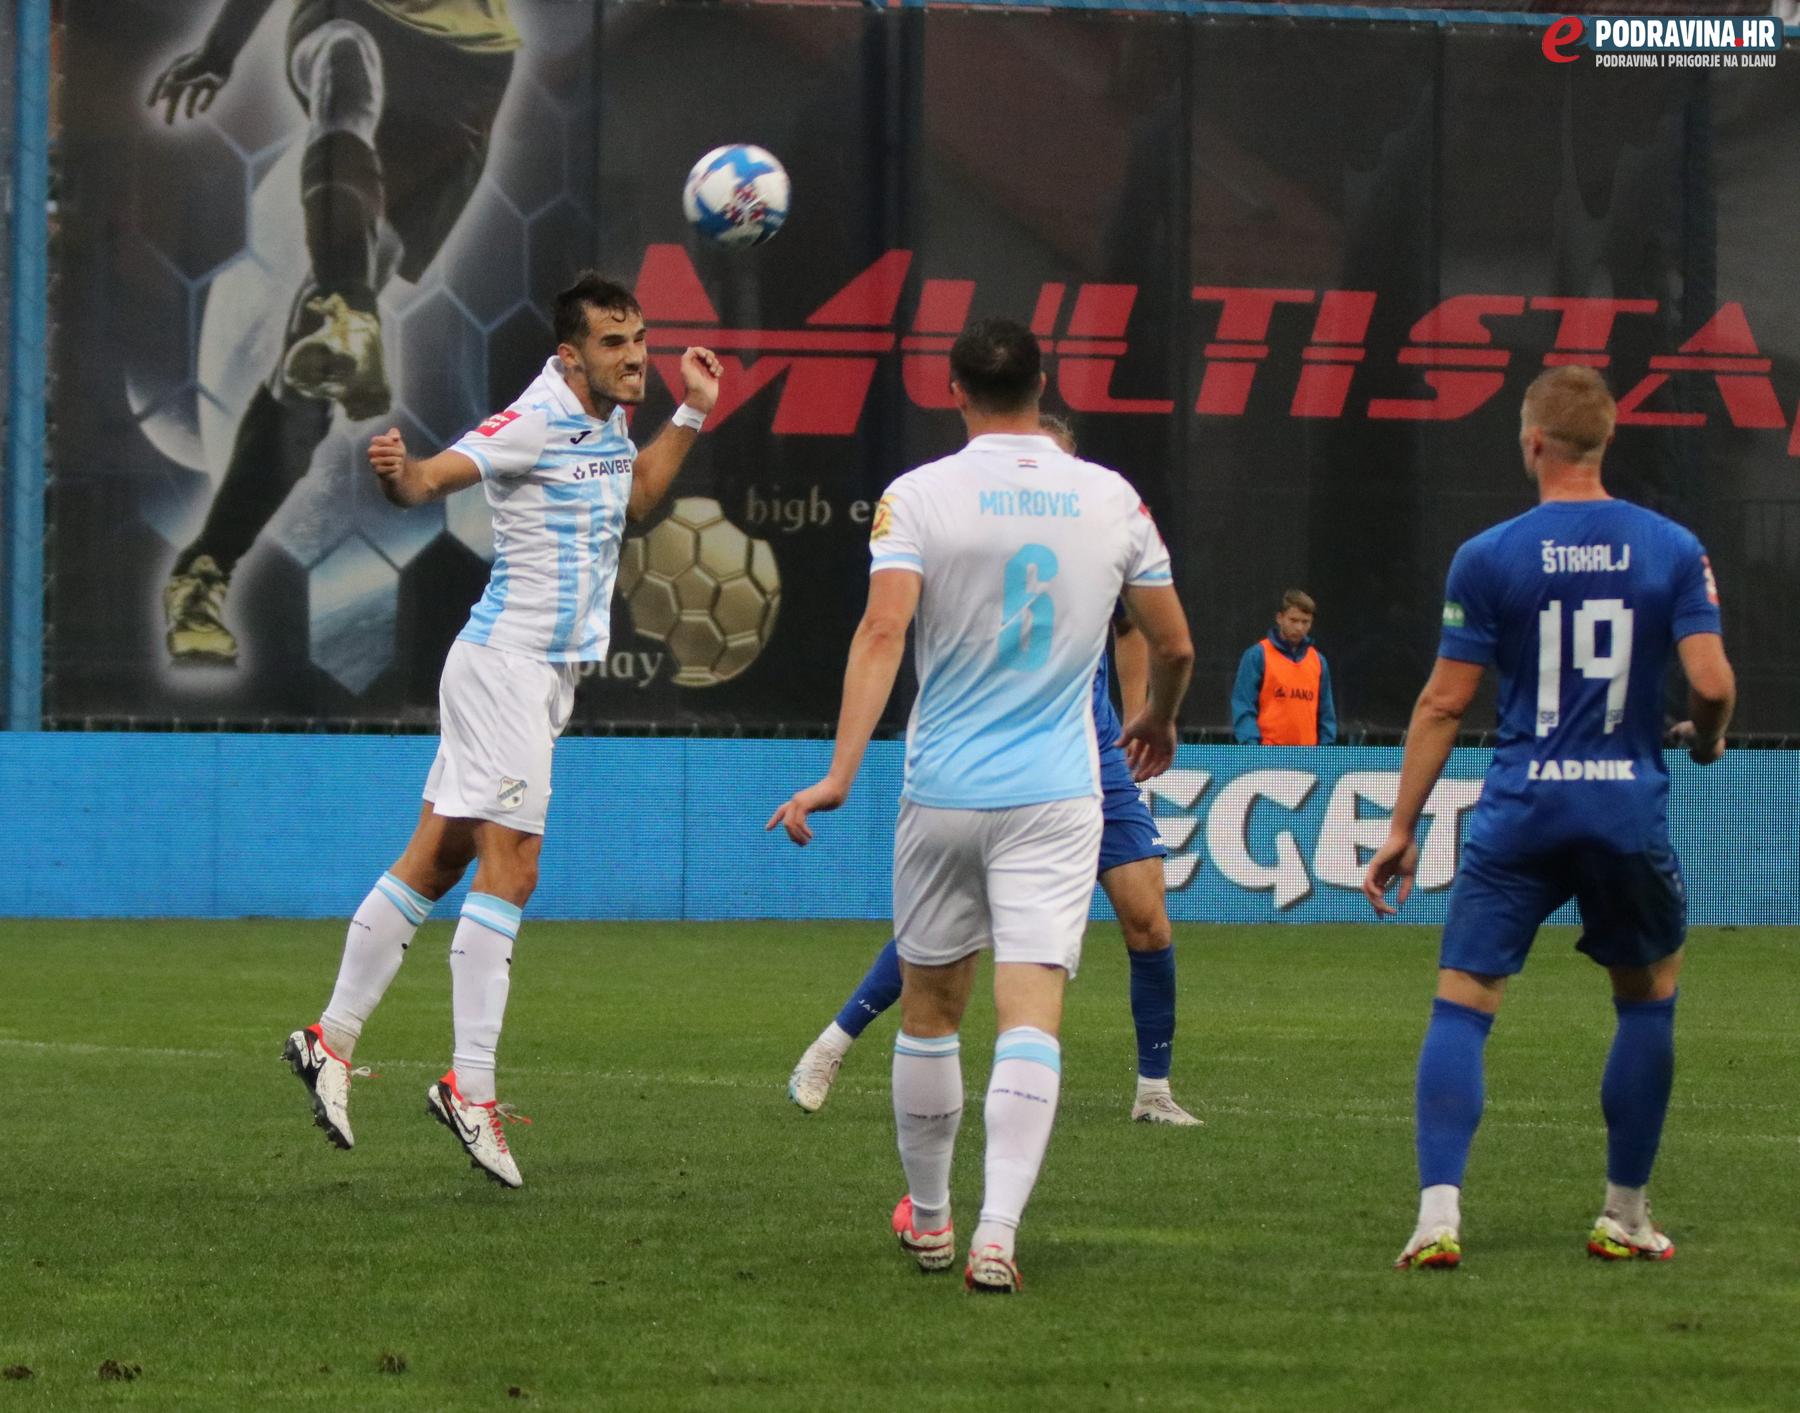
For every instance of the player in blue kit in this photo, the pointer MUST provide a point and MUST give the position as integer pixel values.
(1131, 854)
(1578, 603)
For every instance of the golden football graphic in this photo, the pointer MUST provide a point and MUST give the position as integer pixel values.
(703, 587)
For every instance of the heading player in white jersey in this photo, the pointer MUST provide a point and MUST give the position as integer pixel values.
(1012, 554)
(561, 477)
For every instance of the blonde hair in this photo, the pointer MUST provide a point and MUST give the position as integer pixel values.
(1571, 407)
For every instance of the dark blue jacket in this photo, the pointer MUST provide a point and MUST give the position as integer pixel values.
(1248, 688)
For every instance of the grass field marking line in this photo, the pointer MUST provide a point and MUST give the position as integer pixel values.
(1243, 1111)
(82, 1047)
(1236, 1106)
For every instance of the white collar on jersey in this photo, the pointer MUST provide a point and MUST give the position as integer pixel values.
(566, 400)
(1015, 441)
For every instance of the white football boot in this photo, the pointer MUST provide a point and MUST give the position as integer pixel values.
(809, 1085)
(992, 1272)
(1612, 1240)
(1156, 1105)
(328, 1078)
(478, 1127)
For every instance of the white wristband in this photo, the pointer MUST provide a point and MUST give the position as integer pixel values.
(690, 417)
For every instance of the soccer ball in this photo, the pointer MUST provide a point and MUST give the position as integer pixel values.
(703, 587)
(736, 195)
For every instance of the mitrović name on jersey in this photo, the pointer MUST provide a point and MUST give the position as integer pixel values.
(1061, 505)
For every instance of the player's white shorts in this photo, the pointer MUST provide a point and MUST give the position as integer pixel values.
(1016, 880)
(500, 716)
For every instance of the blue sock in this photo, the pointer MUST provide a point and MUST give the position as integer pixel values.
(1634, 1090)
(1449, 1096)
(1153, 1009)
(874, 993)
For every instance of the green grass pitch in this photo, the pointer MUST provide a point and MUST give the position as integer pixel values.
(688, 1239)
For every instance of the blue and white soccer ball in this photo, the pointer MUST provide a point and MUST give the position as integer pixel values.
(737, 195)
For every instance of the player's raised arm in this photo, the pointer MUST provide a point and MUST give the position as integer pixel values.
(407, 481)
(875, 654)
(654, 470)
(1436, 718)
(1712, 695)
(1149, 737)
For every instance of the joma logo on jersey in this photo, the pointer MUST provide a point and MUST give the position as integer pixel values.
(824, 369)
(1582, 770)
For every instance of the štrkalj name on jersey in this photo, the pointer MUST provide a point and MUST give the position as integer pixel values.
(1023, 551)
(557, 482)
(1579, 604)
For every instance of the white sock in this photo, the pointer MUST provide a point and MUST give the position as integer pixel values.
(1440, 1205)
(1153, 1086)
(1021, 1109)
(928, 1105)
(376, 944)
(480, 976)
(1628, 1206)
(835, 1040)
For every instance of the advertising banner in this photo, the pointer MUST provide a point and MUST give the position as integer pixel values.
(1292, 280)
(674, 829)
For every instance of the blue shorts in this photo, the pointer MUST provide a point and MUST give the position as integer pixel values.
(1127, 832)
(1633, 907)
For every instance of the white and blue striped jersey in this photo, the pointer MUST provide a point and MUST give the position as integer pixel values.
(557, 482)
(1023, 551)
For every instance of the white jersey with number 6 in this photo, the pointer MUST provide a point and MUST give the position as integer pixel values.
(1023, 550)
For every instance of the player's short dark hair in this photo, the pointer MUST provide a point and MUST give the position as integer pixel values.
(1300, 599)
(998, 365)
(1572, 407)
(590, 290)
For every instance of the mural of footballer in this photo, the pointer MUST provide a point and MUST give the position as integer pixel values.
(400, 98)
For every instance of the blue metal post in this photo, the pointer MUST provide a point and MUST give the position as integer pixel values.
(25, 395)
